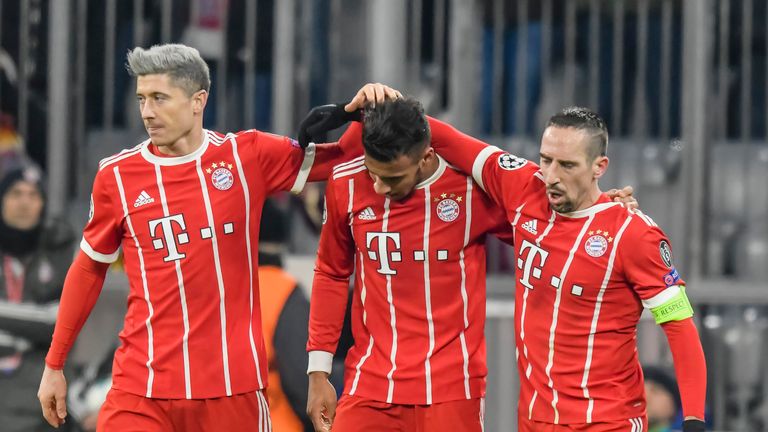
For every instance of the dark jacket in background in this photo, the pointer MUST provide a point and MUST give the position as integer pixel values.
(25, 339)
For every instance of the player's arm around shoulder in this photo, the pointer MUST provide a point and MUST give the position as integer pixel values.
(500, 174)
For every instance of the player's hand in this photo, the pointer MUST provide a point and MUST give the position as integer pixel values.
(325, 118)
(322, 119)
(321, 403)
(53, 396)
(693, 425)
(370, 94)
(625, 196)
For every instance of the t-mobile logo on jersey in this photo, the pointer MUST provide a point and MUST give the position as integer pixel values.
(530, 251)
(384, 255)
(166, 233)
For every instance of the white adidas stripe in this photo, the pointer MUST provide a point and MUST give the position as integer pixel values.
(350, 171)
(120, 156)
(345, 165)
(249, 252)
(150, 308)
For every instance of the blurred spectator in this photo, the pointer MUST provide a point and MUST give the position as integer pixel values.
(12, 153)
(662, 399)
(285, 320)
(34, 257)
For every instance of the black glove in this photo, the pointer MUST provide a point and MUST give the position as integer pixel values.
(322, 119)
(693, 426)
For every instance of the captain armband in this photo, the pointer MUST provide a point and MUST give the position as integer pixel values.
(677, 308)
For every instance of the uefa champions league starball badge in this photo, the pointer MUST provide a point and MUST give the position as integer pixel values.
(221, 175)
(511, 162)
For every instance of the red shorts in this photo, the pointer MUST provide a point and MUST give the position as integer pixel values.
(355, 414)
(127, 412)
(639, 424)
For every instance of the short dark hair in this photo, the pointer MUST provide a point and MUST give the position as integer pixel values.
(587, 120)
(395, 128)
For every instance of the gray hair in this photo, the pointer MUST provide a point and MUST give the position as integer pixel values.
(182, 63)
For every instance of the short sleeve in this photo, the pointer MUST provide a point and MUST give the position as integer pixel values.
(103, 232)
(284, 165)
(503, 176)
(646, 256)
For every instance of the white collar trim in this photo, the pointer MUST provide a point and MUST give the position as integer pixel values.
(589, 211)
(435, 175)
(177, 160)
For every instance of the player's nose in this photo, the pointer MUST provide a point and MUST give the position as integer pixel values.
(551, 176)
(147, 112)
(380, 187)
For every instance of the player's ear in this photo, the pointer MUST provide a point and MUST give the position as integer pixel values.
(429, 153)
(199, 99)
(599, 166)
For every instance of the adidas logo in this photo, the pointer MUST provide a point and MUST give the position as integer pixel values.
(530, 226)
(367, 214)
(143, 199)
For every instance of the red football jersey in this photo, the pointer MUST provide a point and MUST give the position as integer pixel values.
(582, 280)
(418, 309)
(189, 229)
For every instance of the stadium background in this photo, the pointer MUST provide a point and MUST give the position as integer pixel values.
(681, 83)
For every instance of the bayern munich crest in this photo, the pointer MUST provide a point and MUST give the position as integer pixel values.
(448, 210)
(596, 246)
(222, 178)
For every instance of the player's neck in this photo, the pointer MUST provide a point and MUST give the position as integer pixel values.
(185, 145)
(590, 198)
(429, 168)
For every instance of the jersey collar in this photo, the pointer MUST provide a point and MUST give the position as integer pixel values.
(602, 203)
(178, 160)
(435, 175)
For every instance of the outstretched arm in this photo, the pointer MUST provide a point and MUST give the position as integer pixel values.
(288, 164)
(290, 334)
